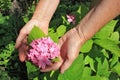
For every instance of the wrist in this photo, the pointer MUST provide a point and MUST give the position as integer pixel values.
(81, 35)
(42, 24)
(40, 19)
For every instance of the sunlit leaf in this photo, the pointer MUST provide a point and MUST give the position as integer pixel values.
(87, 46)
(86, 72)
(75, 71)
(61, 30)
(90, 61)
(114, 60)
(117, 69)
(35, 33)
(105, 53)
(115, 37)
(54, 36)
(107, 30)
(103, 67)
(108, 45)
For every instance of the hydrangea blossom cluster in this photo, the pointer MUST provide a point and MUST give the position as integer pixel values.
(71, 18)
(42, 51)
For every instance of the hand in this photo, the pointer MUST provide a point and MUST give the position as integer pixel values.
(70, 45)
(21, 42)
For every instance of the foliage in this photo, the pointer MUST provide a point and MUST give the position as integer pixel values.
(98, 60)
(5, 5)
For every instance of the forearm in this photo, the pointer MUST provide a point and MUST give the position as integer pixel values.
(45, 9)
(98, 17)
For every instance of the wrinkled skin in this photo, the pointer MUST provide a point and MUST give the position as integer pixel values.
(71, 42)
(21, 42)
(70, 45)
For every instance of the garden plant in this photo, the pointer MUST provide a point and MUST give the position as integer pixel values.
(99, 57)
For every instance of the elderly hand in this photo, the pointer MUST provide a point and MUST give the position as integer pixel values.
(70, 45)
(21, 42)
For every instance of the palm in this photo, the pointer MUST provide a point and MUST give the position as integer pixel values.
(70, 45)
(21, 42)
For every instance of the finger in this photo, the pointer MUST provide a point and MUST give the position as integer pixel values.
(61, 41)
(54, 66)
(22, 53)
(66, 65)
(20, 38)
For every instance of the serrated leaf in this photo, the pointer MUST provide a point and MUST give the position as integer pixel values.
(106, 30)
(61, 30)
(108, 45)
(35, 33)
(87, 46)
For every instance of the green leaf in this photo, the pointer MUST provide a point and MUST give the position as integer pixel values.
(114, 60)
(26, 19)
(31, 67)
(36, 78)
(115, 37)
(103, 67)
(86, 72)
(108, 45)
(35, 33)
(106, 31)
(61, 30)
(93, 78)
(53, 36)
(65, 20)
(55, 59)
(87, 46)
(32, 70)
(84, 9)
(117, 69)
(90, 61)
(105, 53)
(114, 76)
(75, 71)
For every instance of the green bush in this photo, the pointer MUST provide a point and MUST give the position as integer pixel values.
(99, 57)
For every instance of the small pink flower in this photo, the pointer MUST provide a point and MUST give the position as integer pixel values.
(71, 18)
(42, 51)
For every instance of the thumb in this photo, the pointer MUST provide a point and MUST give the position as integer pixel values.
(66, 65)
(20, 39)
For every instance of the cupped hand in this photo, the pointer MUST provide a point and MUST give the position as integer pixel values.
(21, 41)
(70, 45)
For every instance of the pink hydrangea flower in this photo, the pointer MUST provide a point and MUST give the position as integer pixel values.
(42, 51)
(71, 18)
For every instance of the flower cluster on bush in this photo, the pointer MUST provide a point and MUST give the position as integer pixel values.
(42, 51)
